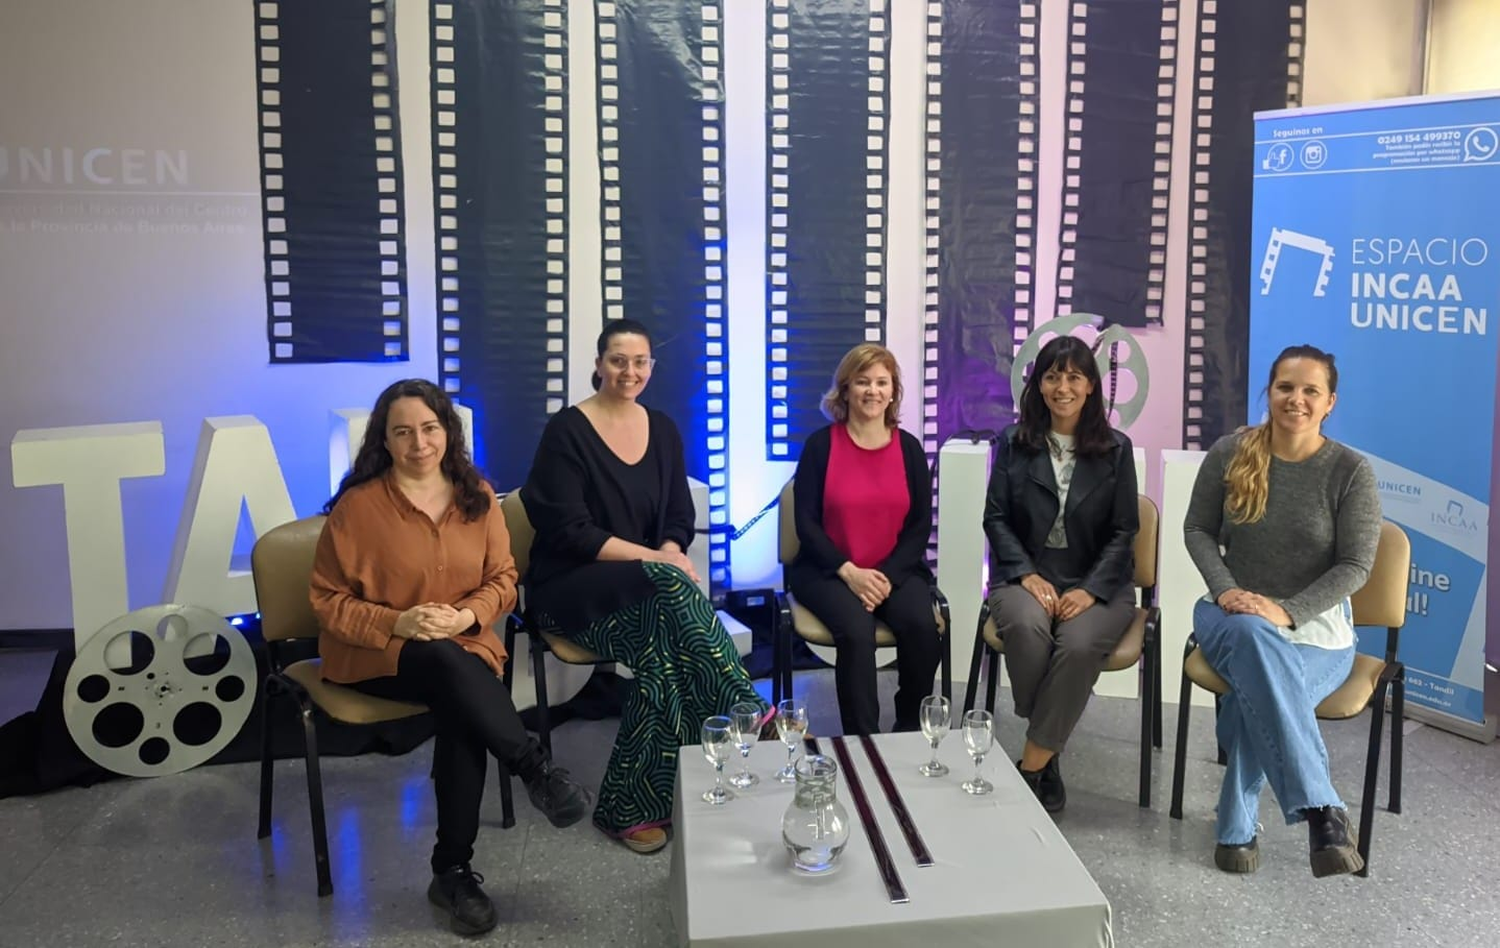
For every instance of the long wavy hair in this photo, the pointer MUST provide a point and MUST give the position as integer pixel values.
(1247, 477)
(1092, 437)
(616, 327)
(471, 494)
(862, 358)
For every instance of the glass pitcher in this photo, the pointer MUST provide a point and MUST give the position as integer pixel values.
(815, 827)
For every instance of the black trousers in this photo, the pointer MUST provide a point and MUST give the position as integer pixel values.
(475, 718)
(908, 611)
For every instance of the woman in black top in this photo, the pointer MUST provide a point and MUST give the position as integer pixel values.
(1061, 516)
(609, 497)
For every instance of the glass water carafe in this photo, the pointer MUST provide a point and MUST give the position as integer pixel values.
(816, 825)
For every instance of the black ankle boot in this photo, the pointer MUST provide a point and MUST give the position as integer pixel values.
(456, 891)
(554, 792)
(1054, 795)
(1239, 857)
(1332, 847)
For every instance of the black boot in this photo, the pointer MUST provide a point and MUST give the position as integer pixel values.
(553, 791)
(456, 891)
(1332, 847)
(1054, 794)
(1239, 857)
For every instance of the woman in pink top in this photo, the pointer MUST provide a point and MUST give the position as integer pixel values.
(864, 513)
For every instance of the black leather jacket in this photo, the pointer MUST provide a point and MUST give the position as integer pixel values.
(1101, 518)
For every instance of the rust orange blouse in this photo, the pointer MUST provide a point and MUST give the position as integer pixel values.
(379, 556)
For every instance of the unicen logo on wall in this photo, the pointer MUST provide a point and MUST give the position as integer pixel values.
(100, 166)
(1453, 518)
(1403, 491)
(1281, 239)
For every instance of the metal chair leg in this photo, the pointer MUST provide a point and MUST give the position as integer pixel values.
(1223, 755)
(507, 798)
(1147, 716)
(972, 690)
(264, 829)
(1157, 689)
(1398, 736)
(315, 803)
(539, 672)
(1179, 766)
(992, 681)
(1372, 774)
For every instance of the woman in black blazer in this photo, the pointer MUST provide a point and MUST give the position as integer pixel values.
(1061, 516)
(864, 512)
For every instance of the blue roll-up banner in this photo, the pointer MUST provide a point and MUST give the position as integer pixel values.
(1376, 236)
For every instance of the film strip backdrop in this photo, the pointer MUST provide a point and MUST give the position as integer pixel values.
(827, 110)
(985, 87)
(499, 147)
(661, 135)
(330, 158)
(1257, 66)
(1121, 66)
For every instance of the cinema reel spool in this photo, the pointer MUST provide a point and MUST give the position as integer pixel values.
(1109, 337)
(159, 690)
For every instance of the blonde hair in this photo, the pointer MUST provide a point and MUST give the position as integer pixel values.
(860, 359)
(1247, 477)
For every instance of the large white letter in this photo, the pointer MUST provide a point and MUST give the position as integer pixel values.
(235, 463)
(89, 461)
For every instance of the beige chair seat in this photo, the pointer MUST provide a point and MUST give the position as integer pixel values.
(1125, 655)
(569, 651)
(1352, 697)
(812, 629)
(345, 704)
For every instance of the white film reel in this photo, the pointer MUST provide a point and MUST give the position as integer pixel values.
(159, 690)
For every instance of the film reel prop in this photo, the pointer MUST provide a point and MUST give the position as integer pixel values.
(159, 690)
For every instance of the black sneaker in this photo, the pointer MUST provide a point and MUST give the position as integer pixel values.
(457, 892)
(1239, 857)
(1332, 847)
(557, 795)
(1053, 794)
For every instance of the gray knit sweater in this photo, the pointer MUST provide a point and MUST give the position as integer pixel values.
(1315, 545)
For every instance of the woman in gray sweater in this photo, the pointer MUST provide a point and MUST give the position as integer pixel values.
(1283, 525)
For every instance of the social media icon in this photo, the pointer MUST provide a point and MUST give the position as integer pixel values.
(1314, 154)
(1279, 158)
(1481, 144)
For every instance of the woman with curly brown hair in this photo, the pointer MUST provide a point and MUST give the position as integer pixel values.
(412, 570)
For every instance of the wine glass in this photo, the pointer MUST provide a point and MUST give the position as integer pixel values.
(744, 727)
(979, 737)
(717, 745)
(791, 724)
(936, 716)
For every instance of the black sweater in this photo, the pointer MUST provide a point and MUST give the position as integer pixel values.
(579, 494)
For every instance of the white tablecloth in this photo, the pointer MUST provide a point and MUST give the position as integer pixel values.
(1003, 873)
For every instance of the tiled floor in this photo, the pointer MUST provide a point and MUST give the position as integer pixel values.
(174, 861)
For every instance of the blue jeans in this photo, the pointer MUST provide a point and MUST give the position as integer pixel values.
(1266, 723)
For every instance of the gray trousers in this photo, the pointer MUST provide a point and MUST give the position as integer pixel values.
(1053, 666)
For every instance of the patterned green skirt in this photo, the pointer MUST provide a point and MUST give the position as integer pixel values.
(686, 669)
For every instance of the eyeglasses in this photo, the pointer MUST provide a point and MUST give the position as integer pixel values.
(639, 363)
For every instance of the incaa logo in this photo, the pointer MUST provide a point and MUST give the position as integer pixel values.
(1453, 518)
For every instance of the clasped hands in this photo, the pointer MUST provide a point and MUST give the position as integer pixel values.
(1244, 602)
(871, 586)
(432, 621)
(1070, 604)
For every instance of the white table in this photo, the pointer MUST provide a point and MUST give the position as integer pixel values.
(1003, 873)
